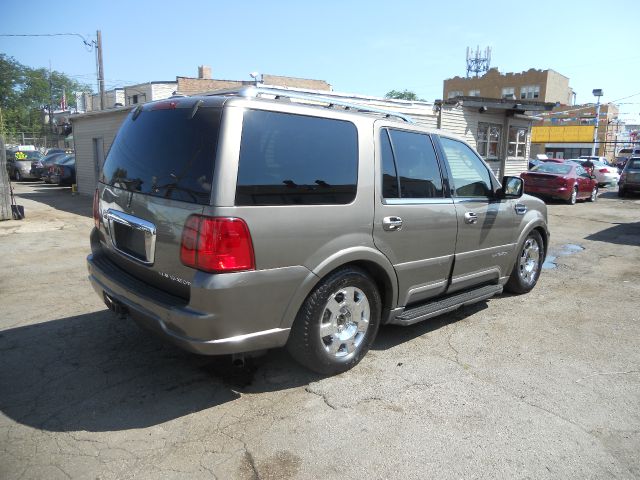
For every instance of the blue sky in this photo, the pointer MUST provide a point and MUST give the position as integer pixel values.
(366, 47)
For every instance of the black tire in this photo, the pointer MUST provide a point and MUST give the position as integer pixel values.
(18, 176)
(306, 343)
(594, 195)
(621, 192)
(526, 270)
(574, 196)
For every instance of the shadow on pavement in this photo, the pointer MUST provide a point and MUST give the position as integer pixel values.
(96, 373)
(57, 197)
(620, 234)
(391, 336)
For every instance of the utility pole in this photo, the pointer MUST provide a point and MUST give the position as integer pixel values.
(100, 68)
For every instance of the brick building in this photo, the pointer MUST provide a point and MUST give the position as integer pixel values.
(540, 85)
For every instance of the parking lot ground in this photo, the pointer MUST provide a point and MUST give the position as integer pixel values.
(544, 385)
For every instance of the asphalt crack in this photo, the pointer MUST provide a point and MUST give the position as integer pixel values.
(321, 395)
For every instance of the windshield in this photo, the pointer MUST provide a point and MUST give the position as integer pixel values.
(166, 153)
(557, 168)
(634, 165)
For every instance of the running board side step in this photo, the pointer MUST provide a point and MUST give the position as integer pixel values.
(447, 304)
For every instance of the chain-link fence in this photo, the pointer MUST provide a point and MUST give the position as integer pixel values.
(41, 142)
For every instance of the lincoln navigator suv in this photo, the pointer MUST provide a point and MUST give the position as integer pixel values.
(245, 220)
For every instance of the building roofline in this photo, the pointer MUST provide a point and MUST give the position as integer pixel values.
(499, 103)
(506, 74)
(97, 113)
(155, 82)
(215, 79)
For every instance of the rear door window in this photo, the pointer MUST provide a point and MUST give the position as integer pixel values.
(166, 152)
(409, 164)
(288, 159)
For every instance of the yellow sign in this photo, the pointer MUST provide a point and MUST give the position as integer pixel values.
(562, 134)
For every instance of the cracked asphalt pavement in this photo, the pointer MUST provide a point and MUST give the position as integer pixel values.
(545, 385)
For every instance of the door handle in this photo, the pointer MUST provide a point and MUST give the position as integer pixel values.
(471, 218)
(391, 224)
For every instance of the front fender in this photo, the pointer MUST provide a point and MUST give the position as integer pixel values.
(534, 218)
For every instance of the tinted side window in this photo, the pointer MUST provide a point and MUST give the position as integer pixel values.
(416, 165)
(470, 175)
(582, 172)
(290, 159)
(390, 185)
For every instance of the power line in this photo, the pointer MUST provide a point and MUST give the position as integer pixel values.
(91, 44)
(624, 98)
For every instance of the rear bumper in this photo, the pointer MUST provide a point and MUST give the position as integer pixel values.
(630, 186)
(27, 174)
(562, 192)
(609, 179)
(243, 310)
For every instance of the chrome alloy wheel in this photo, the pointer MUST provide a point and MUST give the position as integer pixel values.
(345, 320)
(529, 262)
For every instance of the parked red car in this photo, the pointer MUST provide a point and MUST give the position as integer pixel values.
(567, 181)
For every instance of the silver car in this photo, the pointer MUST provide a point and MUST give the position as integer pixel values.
(19, 164)
(254, 219)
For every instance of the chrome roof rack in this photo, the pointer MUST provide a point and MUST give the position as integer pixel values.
(255, 92)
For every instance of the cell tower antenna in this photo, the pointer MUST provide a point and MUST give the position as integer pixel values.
(476, 63)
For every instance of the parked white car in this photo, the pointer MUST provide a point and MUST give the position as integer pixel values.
(595, 158)
(605, 174)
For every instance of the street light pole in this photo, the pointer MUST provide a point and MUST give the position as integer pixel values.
(597, 92)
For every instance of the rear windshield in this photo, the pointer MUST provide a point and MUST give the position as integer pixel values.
(167, 153)
(557, 168)
(22, 156)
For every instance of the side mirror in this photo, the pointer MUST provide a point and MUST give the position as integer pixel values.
(512, 187)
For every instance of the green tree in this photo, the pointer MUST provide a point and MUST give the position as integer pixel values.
(402, 95)
(25, 92)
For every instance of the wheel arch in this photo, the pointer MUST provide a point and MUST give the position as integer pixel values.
(374, 263)
(538, 225)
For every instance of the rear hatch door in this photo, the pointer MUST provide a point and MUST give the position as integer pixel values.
(158, 172)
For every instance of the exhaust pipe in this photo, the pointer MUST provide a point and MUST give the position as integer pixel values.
(238, 360)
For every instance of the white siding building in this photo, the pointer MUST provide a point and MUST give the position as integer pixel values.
(93, 134)
(148, 92)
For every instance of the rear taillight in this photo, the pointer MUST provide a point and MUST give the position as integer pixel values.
(217, 244)
(604, 170)
(96, 208)
(562, 181)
